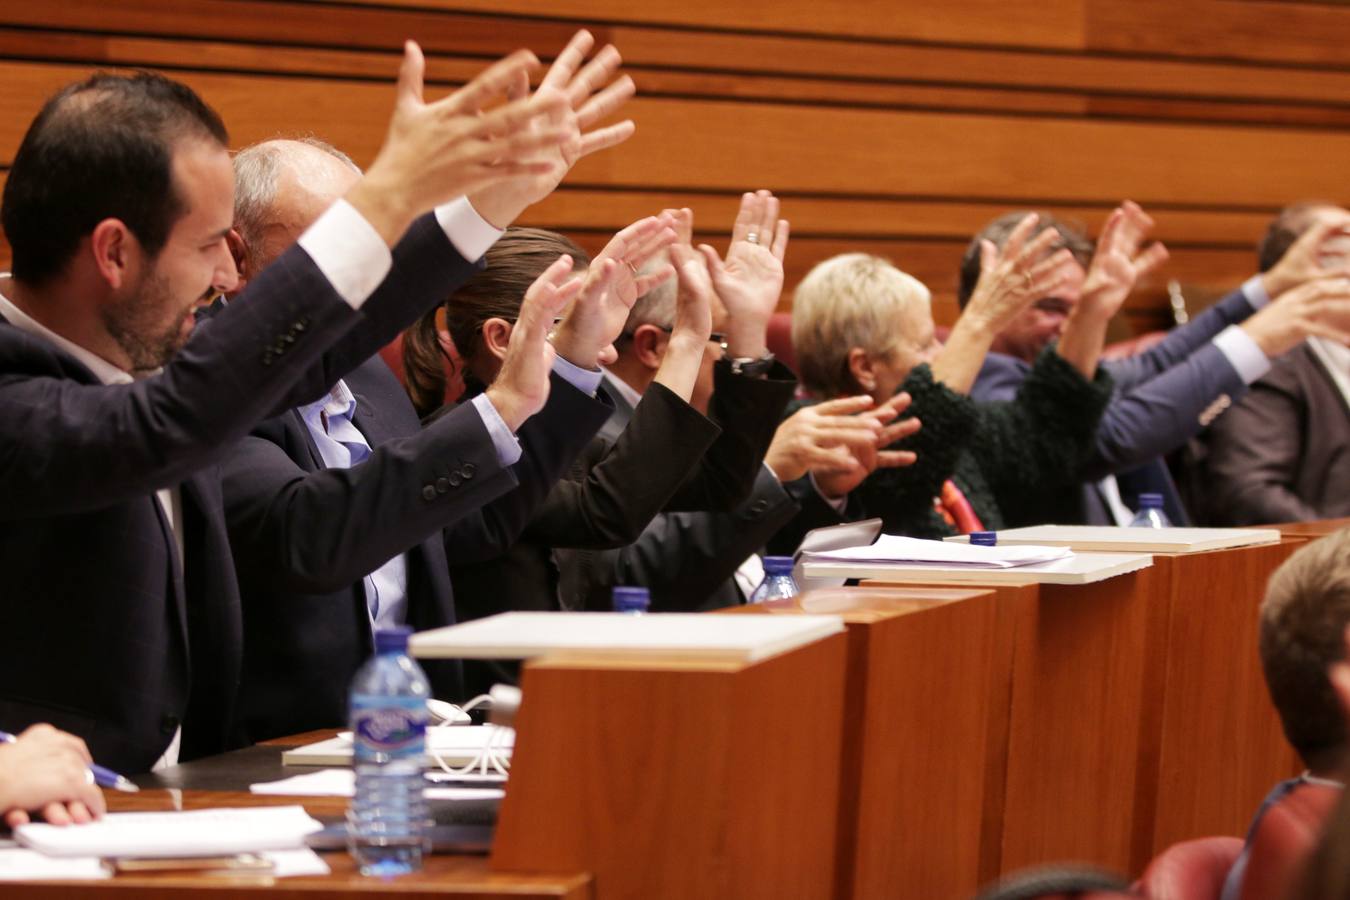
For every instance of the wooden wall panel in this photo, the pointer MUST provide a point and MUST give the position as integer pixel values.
(893, 128)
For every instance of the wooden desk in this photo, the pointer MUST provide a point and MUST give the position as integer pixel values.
(462, 877)
(926, 727)
(1312, 529)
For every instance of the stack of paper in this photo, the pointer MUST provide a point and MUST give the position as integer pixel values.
(1130, 540)
(521, 635)
(342, 783)
(205, 832)
(914, 552)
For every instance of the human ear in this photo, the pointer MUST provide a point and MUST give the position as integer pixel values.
(649, 346)
(239, 252)
(116, 251)
(496, 336)
(860, 367)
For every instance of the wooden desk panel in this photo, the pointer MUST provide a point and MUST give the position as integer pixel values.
(1312, 529)
(699, 780)
(1222, 748)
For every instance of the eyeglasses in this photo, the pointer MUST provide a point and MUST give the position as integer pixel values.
(717, 337)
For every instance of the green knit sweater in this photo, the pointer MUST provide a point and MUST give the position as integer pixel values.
(1017, 455)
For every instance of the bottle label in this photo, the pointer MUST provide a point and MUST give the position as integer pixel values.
(391, 729)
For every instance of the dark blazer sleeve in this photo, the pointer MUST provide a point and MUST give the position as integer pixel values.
(1180, 342)
(318, 532)
(427, 269)
(684, 557)
(749, 411)
(550, 442)
(70, 446)
(616, 489)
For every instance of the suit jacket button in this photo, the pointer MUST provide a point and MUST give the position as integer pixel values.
(467, 470)
(168, 724)
(267, 357)
(428, 492)
(443, 485)
(759, 506)
(454, 479)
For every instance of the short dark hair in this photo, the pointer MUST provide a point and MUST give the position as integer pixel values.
(101, 148)
(1285, 229)
(1071, 236)
(1303, 620)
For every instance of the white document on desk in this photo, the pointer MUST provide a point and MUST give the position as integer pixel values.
(342, 783)
(18, 864)
(891, 548)
(202, 832)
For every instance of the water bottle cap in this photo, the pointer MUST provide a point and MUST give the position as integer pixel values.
(392, 640)
(628, 599)
(1151, 501)
(778, 565)
(984, 538)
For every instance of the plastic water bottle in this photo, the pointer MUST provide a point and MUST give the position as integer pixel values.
(633, 600)
(1150, 513)
(387, 819)
(777, 583)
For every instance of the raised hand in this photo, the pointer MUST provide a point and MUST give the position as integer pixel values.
(437, 151)
(612, 286)
(1119, 262)
(1314, 255)
(48, 771)
(694, 299)
(1012, 278)
(750, 280)
(1317, 308)
(521, 387)
(590, 96)
(840, 442)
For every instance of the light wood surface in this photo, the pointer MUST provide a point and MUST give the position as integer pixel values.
(896, 129)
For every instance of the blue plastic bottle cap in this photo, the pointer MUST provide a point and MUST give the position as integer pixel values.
(632, 599)
(778, 565)
(984, 538)
(1151, 501)
(392, 640)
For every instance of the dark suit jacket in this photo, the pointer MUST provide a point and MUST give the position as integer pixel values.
(1283, 453)
(1160, 400)
(669, 457)
(686, 559)
(305, 536)
(103, 632)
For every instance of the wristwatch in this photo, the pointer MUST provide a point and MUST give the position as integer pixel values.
(751, 367)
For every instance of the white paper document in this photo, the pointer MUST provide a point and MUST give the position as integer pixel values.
(204, 832)
(18, 864)
(342, 783)
(891, 548)
(1114, 539)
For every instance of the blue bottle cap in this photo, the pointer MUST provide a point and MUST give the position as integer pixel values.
(632, 599)
(392, 640)
(1150, 501)
(777, 565)
(984, 538)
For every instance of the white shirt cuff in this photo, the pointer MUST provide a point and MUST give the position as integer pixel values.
(471, 234)
(838, 504)
(1254, 289)
(348, 251)
(1243, 352)
(503, 441)
(585, 380)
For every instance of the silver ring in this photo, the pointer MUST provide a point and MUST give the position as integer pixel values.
(89, 776)
(752, 238)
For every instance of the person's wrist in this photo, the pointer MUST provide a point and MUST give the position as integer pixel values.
(510, 405)
(687, 341)
(1275, 282)
(384, 202)
(497, 207)
(784, 466)
(748, 338)
(1268, 338)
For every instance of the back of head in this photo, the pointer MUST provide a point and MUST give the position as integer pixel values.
(1286, 228)
(100, 149)
(1072, 236)
(847, 301)
(657, 306)
(1303, 621)
(513, 263)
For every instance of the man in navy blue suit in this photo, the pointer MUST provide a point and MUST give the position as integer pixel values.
(1166, 394)
(115, 411)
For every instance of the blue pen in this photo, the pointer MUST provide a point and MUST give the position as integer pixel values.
(103, 777)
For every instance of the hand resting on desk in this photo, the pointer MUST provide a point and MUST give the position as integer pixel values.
(46, 770)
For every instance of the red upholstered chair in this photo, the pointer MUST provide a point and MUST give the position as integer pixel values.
(1191, 870)
(1286, 836)
(779, 339)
